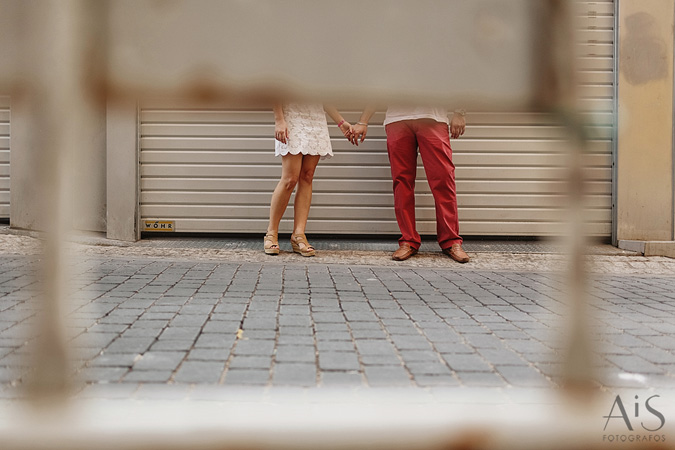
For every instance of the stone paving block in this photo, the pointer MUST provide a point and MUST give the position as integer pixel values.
(199, 372)
(176, 345)
(419, 355)
(148, 376)
(247, 377)
(189, 320)
(436, 380)
(254, 347)
(365, 325)
(294, 310)
(114, 360)
(209, 354)
(467, 363)
(295, 354)
(410, 342)
(102, 374)
(142, 332)
(634, 364)
(172, 300)
(369, 334)
(219, 326)
(130, 345)
(333, 336)
(157, 316)
(328, 318)
(663, 342)
(525, 376)
(427, 368)
(657, 355)
(501, 356)
(342, 346)
(189, 334)
(163, 361)
(380, 360)
(374, 347)
(548, 356)
(215, 340)
(294, 374)
(341, 361)
(526, 346)
(260, 324)
(259, 334)
(387, 376)
(331, 327)
(295, 320)
(342, 379)
(98, 340)
(251, 362)
(453, 348)
(439, 335)
(305, 331)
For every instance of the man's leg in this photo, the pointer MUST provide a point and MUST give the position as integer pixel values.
(434, 144)
(402, 149)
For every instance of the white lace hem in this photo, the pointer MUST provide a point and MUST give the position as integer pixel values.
(281, 149)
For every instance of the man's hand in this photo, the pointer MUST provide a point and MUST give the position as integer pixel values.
(359, 133)
(457, 126)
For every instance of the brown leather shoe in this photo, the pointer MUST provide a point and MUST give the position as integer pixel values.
(457, 253)
(404, 252)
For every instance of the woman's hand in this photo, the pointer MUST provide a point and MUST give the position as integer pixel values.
(346, 129)
(359, 133)
(281, 131)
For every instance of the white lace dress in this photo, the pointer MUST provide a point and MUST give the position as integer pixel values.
(307, 131)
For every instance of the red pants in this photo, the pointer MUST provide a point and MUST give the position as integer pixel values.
(433, 140)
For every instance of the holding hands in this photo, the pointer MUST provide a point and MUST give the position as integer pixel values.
(346, 128)
(359, 133)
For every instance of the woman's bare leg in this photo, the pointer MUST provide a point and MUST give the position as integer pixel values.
(303, 196)
(290, 173)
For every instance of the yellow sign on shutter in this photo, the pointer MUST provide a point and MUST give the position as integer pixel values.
(159, 225)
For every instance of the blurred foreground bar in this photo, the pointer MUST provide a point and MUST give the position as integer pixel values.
(70, 54)
(475, 53)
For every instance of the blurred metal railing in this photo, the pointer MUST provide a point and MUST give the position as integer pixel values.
(63, 58)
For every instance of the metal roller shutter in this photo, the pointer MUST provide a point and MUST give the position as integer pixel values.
(4, 157)
(213, 170)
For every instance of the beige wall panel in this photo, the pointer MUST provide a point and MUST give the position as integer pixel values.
(595, 63)
(4, 157)
(239, 185)
(238, 130)
(212, 169)
(357, 212)
(645, 152)
(381, 172)
(367, 159)
(266, 145)
(317, 226)
(358, 199)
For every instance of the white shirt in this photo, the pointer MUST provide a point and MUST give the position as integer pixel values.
(398, 113)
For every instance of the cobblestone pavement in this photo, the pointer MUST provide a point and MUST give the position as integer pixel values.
(201, 318)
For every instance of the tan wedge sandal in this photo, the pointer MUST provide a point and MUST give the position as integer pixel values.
(271, 243)
(300, 245)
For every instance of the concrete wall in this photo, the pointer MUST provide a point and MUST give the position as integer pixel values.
(645, 133)
(89, 183)
(58, 117)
